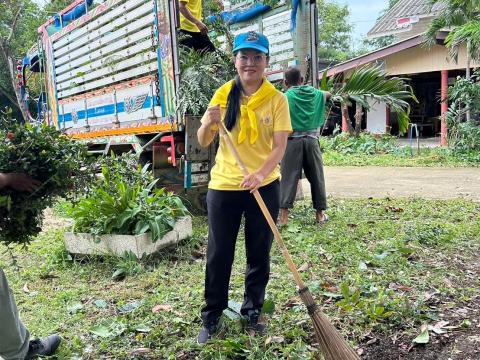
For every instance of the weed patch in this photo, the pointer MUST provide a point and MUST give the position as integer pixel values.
(378, 269)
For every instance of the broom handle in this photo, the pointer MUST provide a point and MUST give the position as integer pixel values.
(263, 207)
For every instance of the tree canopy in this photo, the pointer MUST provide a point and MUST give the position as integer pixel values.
(334, 31)
(19, 21)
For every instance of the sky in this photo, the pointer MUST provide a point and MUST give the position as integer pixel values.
(363, 16)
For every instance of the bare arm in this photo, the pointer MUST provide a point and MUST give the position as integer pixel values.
(209, 128)
(3, 180)
(188, 15)
(254, 180)
(19, 182)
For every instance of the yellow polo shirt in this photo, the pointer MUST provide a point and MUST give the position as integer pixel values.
(195, 7)
(271, 116)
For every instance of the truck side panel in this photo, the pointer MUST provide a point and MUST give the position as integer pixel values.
(113, 69)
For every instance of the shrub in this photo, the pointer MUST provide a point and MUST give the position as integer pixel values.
(201, 75)
(365, 143)
(125, 201)
(463, 135)
(44, 154)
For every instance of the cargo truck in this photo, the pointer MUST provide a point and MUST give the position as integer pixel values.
(110, 72)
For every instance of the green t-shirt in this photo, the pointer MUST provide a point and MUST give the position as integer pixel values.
(307, 107)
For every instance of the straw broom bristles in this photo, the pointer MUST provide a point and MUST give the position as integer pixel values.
(332, 344)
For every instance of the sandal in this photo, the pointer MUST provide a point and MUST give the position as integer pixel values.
(323, 221)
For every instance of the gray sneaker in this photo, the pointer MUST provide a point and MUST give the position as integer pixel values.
(208, 331)
(252, 324)
(43, 347)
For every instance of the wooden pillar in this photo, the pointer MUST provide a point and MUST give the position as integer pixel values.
(344, 122)
(443, 107)
(388, 120)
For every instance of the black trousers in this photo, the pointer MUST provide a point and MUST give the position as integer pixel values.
(197, 41)
(225, 211)
(303, 153)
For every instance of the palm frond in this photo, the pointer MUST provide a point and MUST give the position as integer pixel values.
(455, 13)
(469, 32)
(372, 83)
(200, 76)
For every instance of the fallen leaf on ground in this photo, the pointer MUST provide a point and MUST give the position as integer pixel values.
(393, 209)
(74, 308)
(438, 327)
(304, 267)
(424, 337)
(102, 304)
(274, 339)
(197, 254)
(448, 283)
(141, 351)
(429, 295)
(162, 307)
(143, 328)
(292, 302)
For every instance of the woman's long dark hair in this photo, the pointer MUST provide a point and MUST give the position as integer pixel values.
(233, 104)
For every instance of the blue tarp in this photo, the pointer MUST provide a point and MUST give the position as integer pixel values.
(73, 14)
(293, 16)
(236, 16)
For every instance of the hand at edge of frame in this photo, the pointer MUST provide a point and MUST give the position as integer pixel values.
(21, 182)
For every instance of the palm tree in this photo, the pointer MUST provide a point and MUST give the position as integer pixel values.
(461, 17)
(454, 16)
(468, 33)
(371, 83)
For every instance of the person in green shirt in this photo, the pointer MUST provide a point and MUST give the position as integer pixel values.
(307, 113)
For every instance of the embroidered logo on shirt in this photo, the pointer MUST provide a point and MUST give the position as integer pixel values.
(267, 120)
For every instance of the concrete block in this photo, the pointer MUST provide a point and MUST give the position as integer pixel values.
(117, 245)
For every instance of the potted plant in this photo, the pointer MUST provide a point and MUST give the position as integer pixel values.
(124, 212)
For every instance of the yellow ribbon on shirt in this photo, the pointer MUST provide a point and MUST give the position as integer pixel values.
(248, 119)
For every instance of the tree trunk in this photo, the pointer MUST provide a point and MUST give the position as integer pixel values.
(349, 123)
(8, 96)
(9, 60)
(358, 118)
(13, 78)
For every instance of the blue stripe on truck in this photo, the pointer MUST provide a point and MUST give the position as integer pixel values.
(104, 110)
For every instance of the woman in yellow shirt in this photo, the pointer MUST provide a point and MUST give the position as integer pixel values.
(258, 119)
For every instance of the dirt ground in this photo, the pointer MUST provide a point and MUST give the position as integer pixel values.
(432, 183)
(400, 182)
(461, 343)
(428, 183)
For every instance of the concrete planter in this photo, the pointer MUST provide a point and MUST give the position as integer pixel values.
(139, 245)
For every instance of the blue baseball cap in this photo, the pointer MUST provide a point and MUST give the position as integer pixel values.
(251, 40)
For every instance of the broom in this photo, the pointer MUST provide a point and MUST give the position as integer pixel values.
(332, 344)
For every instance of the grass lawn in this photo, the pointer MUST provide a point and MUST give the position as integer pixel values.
(369, 150)
(379, 268)
(428, 157)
